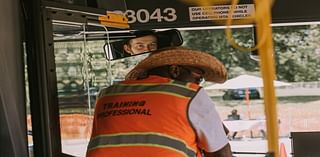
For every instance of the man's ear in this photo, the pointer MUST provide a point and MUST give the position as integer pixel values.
(174, 71)
(127, 48)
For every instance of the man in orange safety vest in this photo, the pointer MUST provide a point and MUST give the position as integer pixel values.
(160, 110)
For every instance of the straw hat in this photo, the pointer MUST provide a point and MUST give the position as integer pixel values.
(213, 69)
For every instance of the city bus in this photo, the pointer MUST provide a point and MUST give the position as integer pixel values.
(53, 64)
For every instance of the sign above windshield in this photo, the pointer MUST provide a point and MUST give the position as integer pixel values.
(147, 14)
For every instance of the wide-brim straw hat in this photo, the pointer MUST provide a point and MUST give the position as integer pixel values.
(214, 70)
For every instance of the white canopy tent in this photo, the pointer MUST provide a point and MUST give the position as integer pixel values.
(244, 81)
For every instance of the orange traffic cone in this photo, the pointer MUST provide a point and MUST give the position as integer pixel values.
(283, 152)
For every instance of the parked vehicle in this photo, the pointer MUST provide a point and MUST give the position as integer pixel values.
(238, 94)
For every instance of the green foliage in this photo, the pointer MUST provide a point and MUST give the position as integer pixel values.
(215, 43)
(297, 56)
(297, 51)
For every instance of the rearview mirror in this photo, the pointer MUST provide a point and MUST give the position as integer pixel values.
(142, 42)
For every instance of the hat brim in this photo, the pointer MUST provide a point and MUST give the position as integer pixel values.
(214, 70)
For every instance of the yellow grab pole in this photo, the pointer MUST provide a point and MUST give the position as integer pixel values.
(268, 74)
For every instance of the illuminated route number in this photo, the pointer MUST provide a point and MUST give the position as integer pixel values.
(144, 16)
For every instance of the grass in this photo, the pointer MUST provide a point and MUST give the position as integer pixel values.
(298, 99)
(280, 100)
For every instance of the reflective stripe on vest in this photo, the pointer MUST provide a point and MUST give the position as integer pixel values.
(141, 139)
(169, 88)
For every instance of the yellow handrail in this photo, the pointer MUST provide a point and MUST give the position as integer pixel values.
(268, 74)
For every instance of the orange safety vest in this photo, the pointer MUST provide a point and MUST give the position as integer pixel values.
(146, 117)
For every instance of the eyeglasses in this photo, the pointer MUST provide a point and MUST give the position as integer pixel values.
(195, 73)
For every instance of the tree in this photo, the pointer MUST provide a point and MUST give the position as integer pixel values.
(296, 49)
(295, 53)
(215, 43)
